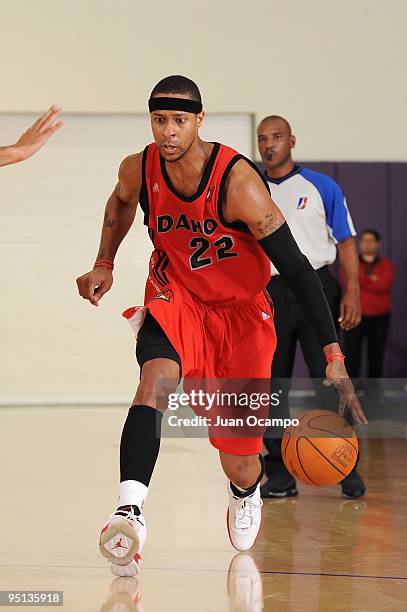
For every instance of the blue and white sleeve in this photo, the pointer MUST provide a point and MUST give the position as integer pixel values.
(338, 218)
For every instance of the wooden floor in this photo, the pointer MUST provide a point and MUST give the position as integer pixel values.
(317, 552)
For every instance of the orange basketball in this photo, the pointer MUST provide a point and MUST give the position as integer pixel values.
(321, 450)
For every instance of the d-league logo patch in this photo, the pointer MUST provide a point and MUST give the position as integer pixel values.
(156, 188)
(302, 202)
(165, 295)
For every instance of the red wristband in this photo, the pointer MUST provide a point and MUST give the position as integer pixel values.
(106, 263)
(335, 357)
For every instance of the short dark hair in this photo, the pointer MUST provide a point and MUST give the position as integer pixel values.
(374, 233)
(177, 84)
(272, 117)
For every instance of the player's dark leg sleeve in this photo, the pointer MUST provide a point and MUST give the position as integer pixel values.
(140, 444)
(303, 281)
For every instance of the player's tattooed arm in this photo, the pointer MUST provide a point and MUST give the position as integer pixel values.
(247, 200)
(268, 224)
(119, 215)
(121, 207)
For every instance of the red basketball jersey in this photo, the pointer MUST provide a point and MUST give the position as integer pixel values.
(194, 246)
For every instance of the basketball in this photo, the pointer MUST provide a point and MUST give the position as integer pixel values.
(321, 450)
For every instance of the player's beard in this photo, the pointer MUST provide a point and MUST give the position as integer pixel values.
(180, 156)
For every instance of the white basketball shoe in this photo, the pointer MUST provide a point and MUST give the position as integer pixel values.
(244, 519)
(121, 541)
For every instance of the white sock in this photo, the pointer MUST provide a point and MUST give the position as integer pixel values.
(132, 493)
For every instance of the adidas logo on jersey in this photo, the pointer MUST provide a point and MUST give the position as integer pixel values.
(265, 316)
(156, 188)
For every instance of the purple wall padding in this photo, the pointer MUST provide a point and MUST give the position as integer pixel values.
(397, 215)
(376, 193)
(366, 190)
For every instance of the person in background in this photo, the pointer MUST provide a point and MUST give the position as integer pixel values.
(33, 139)
(316, 211)
(376, 274)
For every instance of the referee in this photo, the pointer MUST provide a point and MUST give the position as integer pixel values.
(316, 211)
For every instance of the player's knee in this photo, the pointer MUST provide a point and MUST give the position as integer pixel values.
(243, 478)
(158, 380)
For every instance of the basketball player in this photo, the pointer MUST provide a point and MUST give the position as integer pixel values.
(317, 214)
(33, 139)
(214, 229)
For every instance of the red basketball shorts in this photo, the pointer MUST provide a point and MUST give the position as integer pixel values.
(220, 342)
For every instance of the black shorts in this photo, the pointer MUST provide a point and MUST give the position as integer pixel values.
(152, 343)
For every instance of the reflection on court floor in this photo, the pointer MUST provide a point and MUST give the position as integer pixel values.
(316, 552)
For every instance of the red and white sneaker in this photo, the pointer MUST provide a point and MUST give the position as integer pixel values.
(121, 542)
(244, 519)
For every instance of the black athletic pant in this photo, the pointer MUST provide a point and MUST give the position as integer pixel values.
(375, 330)
(292, 327)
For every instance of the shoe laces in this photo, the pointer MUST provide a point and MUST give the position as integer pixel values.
(246, 509)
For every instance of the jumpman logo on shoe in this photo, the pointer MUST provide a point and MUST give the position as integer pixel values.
(119, 544)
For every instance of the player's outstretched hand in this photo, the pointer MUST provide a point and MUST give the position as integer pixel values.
(93, 285)
(37, 135)
(337, 375)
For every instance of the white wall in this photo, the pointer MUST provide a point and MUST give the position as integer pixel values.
(336, 70)
(55, 347)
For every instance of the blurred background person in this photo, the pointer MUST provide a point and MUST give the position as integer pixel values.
(33, 139)
(376, 275)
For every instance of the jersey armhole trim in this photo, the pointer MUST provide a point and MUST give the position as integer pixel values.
(239, 225)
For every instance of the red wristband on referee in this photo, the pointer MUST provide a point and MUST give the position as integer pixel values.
(335, 357)
(106, 263)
